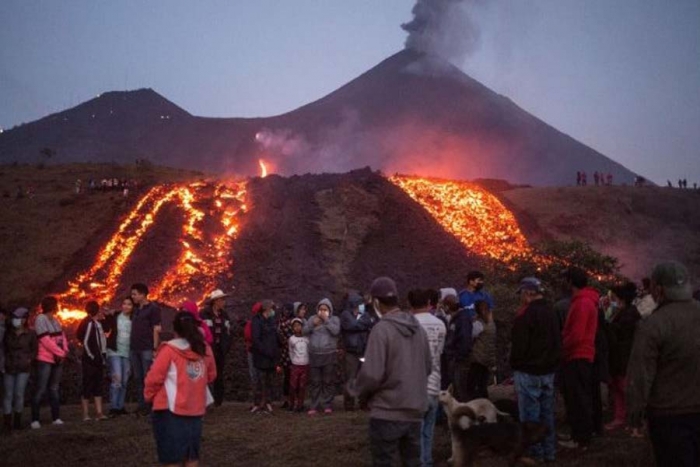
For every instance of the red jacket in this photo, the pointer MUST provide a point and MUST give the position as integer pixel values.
(248, 329)
(178, 378)
(578, 336)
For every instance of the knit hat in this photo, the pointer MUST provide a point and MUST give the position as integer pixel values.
(297, 320)
(20, 313)
(383, 287)
(530, 283)
(190, 307)
(673, 277)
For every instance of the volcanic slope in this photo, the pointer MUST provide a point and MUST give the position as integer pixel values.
(411, 113)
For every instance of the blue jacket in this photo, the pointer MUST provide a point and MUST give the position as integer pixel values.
(355, 330)
(467, 300)
(265, 348)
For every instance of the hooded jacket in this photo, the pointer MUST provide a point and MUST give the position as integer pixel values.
(394, 376)
(20, 350)
(53, 344)
(323, 339)
(178, 378)
(265, 346)
(536, 339)
(578, 336)
(248, 328)
(355, 328)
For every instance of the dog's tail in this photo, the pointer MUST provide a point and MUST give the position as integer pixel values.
(463, 417)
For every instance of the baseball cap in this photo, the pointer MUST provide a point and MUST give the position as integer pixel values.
(530, 283)
(674, 278)
(383, 287)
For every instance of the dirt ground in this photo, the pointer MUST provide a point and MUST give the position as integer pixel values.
(234, 437)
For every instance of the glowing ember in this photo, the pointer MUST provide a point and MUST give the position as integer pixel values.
(204, 253)
(470, 213)
(263, 168)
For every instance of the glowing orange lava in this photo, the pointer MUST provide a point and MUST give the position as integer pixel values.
(263, 168)
(470, 213)
(205, 253)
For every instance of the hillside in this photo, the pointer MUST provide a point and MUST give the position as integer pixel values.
(411, 113)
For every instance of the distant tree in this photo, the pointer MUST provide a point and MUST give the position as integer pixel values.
(48, 153)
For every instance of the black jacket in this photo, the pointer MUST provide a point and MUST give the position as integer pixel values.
(90, 335)
(265, 346)
(621, 336)
(355, 330)
(458, 342)
(536, 340)
(20, 351)
(109, 326)
(207, 316)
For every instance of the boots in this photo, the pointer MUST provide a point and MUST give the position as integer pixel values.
(7, 424)
(17, 421)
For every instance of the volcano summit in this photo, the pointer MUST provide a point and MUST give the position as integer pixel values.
(413, 113)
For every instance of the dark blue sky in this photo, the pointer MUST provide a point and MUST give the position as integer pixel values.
(622, 76)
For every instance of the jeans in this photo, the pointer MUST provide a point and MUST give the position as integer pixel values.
(119, 370)
(386, 436)
(253, 374)
(48, 376)
(352, 366)
(15, 386)
(536, 404)
(676, 439)
(141, 361)
(460, 381)
(321, 387)
(427, 430)
(578, 398)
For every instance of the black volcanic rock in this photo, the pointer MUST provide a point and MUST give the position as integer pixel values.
(411, 113)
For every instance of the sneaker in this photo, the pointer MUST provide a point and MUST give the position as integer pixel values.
(311, 412)
(58, 421)
(268, 408)
(563, 436)
(255, 409)
(328, 411)
(85, 419)
(35, 425)
(614, 425)
(573, 445)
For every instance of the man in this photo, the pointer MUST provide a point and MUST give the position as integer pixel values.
(216, 317)
(419, 300)
(458, 347)
(534, 357)
(578, 349)
(145, 338)
(663, 376)
(474, 292)
(645, 302)
(265, 350)
(392, 378)
(355, 325)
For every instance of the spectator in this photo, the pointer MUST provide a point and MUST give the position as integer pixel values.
(52, 349)
(578, 348)
(621, 336)
(323, 331)
(299, 371)
(248, 339)
(483, 359)
(396, 368)
(300, 311)
(534, 357)
(117, 326)
(145, 338)
(180, 397)
(435, 331)
(20, 350)
(663, 377)
(474, 291)
(219, 322)
(284, 331)
(265, 351)
(92, 338)
(458, 347)
(355, 325)
(191, 307)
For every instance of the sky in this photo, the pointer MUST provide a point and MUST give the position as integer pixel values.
(622, 76)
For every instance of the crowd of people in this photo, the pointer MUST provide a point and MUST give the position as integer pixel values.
(641, 342)
(121, 185)
(599, 178)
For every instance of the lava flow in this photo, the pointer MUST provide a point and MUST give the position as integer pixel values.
(205, 253)
(470, 213)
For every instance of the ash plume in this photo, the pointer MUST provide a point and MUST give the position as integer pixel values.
(446, 28)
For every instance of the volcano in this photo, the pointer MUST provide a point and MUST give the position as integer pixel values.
(412, 113)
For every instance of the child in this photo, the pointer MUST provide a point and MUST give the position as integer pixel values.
(94, 344)
(299, 373)
(483, 352)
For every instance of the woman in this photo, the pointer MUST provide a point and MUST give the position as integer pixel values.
(52, 349)
(621, 330)
(20, 351)
(176, 385)
(117, 326)
(94, 343)
(323, 331)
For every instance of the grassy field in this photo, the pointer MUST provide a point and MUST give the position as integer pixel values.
(234, 437)
(42, 235)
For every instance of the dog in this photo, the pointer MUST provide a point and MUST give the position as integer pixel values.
(464, 415)
(506, 438)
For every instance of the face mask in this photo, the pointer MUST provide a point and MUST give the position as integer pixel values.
(272, 314)
(478, 287)
(17, 322)
(361, 308)
(375, 305)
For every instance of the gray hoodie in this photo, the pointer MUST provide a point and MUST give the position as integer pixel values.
(394, 376)
(323, 339)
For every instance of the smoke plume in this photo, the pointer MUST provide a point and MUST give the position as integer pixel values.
(446, 28)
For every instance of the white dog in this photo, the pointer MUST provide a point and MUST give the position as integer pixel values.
(466, 415)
